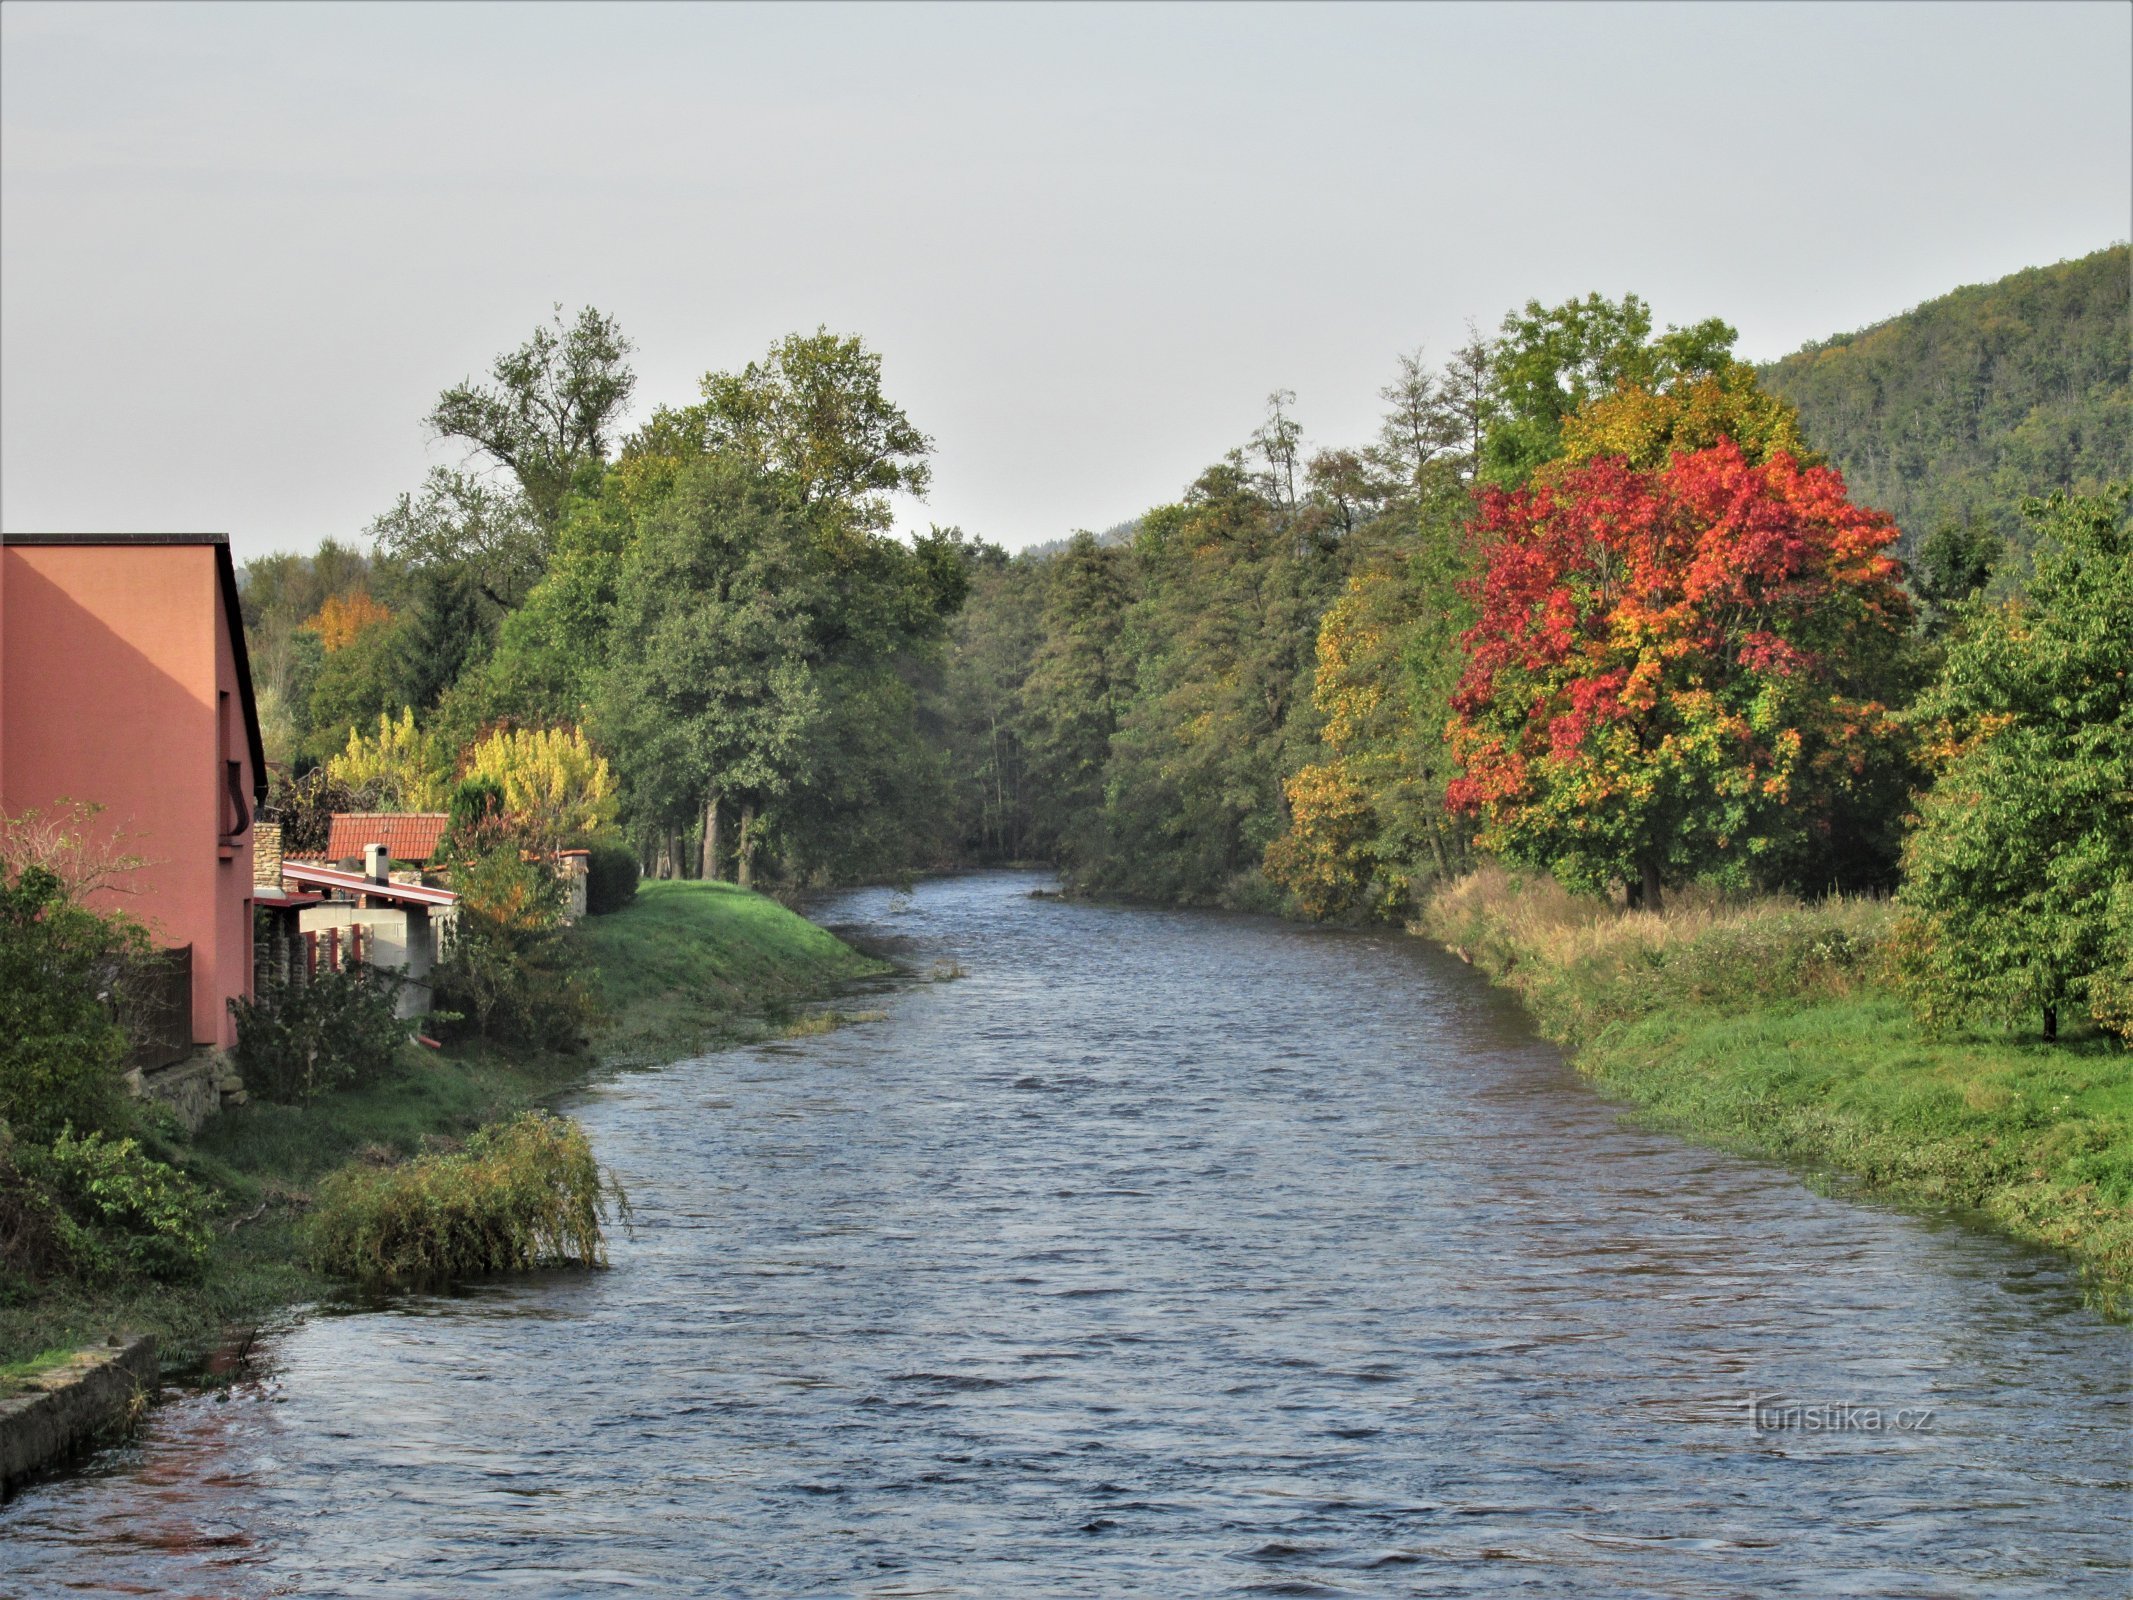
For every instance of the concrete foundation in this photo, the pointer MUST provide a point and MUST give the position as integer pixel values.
(91, 1398)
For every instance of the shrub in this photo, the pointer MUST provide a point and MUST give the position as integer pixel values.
(506, 972)
(119, 1212)
(520, 1194)
(2019, 874)
(298, 1039)
(62, 1052)
(611, 879)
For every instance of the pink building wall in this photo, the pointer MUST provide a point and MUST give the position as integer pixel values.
(123, 683)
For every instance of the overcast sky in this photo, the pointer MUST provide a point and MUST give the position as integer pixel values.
(242, 248)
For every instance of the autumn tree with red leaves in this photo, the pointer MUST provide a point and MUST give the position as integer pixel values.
(1682, 673)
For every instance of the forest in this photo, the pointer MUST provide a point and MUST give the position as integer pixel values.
(1599, 598)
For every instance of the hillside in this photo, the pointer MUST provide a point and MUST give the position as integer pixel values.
(1961, 407)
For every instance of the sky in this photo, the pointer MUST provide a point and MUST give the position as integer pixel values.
(242, 248)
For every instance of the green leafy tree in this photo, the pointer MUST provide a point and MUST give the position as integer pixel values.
(1953, 564)
(62, 1049)
(550, 412)
(1077, 685)
(812, 414)
(711, 689)
(1549, 362)
(2019, 875)
(356, 684)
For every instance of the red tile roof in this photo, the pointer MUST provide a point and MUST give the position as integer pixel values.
(406, 835)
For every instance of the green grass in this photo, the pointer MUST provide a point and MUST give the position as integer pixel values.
(14, 1375)
(1768, 1028)
(683, 966)
(686, 963)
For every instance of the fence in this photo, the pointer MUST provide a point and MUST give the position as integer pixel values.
(155, 1003)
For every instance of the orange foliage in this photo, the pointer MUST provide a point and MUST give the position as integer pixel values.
(344, 616)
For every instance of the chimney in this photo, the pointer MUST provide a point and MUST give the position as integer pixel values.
(375, 861)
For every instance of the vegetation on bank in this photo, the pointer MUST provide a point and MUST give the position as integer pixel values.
(1776, 1027)
(401, 1140)
(517, 1195)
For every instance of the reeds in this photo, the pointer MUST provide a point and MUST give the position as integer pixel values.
(521, 1194)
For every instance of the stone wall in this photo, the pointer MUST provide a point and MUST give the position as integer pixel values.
(195, 1089)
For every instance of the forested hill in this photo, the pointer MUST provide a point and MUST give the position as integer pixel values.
(1954, 411)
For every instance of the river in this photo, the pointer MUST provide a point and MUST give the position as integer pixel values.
(1164, 1254)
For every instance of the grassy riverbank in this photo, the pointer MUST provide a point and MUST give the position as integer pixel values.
(1768, 1027)
(683, 967)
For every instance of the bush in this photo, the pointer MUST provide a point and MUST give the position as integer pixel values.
(520, 1194)
(611, 879)
(62, 1051)
(118, 1212)
(299, 1039)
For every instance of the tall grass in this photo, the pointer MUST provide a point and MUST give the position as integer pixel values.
(1767, 1026)
(525, 1193)
(1582, 963)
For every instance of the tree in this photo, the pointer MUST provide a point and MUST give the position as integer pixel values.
(2018, 891)
(549, 412)
(1078, 683)
(1550, 362)
(556, 789)
(1953, 564)
(1647, 425)
(812, 416)
(1423, 423)
(365, 678)
(340, 618)
(1367, 819)
(406, 768)
(1675, 673)
(492, 540)
(711, 688)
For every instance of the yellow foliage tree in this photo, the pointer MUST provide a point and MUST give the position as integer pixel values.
(406, 767)
(344, 616)
(555, 786)
(1367, 823)
(1649, 427)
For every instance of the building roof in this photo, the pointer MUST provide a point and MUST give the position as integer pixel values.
(406, 835)
(411, 894)
(232, 607)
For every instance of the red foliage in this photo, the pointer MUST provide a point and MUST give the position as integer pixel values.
(1634, 626)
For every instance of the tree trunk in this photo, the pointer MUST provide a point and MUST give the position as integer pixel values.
(711, 851)
(1651, 894)
(2051, 1023)
(747, 872)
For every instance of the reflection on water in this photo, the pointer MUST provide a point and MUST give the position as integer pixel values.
(1165, 1254)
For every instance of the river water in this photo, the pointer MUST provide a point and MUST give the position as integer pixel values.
(1163, 1254)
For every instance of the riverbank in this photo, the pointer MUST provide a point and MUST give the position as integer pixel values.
(1768, 1028)
(682, 968)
